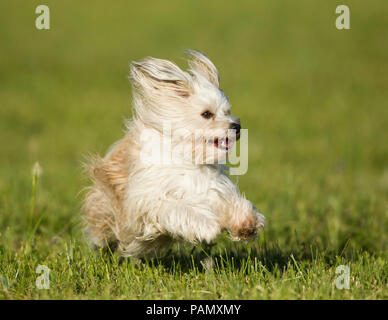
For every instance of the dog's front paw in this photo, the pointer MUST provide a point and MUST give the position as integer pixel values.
(248, 227)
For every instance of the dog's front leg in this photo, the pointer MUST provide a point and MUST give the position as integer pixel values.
(238, 215)
(188, 219)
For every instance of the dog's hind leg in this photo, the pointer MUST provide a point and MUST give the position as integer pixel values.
(99, 219)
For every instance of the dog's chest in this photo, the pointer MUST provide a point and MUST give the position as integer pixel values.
(191, 182)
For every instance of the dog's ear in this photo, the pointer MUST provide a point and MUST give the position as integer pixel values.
(201, 64)
(158, 77)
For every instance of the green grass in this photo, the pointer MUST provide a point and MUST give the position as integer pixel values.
(313, 98)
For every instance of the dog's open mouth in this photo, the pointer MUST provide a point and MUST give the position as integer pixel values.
(223, 143)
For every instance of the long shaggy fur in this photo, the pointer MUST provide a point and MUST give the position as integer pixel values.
(138, 207)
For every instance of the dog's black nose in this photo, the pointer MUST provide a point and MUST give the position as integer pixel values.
(235, 126)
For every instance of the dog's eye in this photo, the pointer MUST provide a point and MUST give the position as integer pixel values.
(207, 114)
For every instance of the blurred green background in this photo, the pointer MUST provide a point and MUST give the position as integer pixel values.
(313, 98)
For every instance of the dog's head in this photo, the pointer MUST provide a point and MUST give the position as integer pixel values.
(192, 103)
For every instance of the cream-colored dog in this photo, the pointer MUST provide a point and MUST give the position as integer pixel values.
(137, 205)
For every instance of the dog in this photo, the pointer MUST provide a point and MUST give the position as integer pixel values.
(138, 206)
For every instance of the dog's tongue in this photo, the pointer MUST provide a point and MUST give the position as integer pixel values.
(224, 143)
(229, 144)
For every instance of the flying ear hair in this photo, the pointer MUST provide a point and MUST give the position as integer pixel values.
(152, 75)
(201, 64)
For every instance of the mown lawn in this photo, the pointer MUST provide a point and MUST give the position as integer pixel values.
(313, 98)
